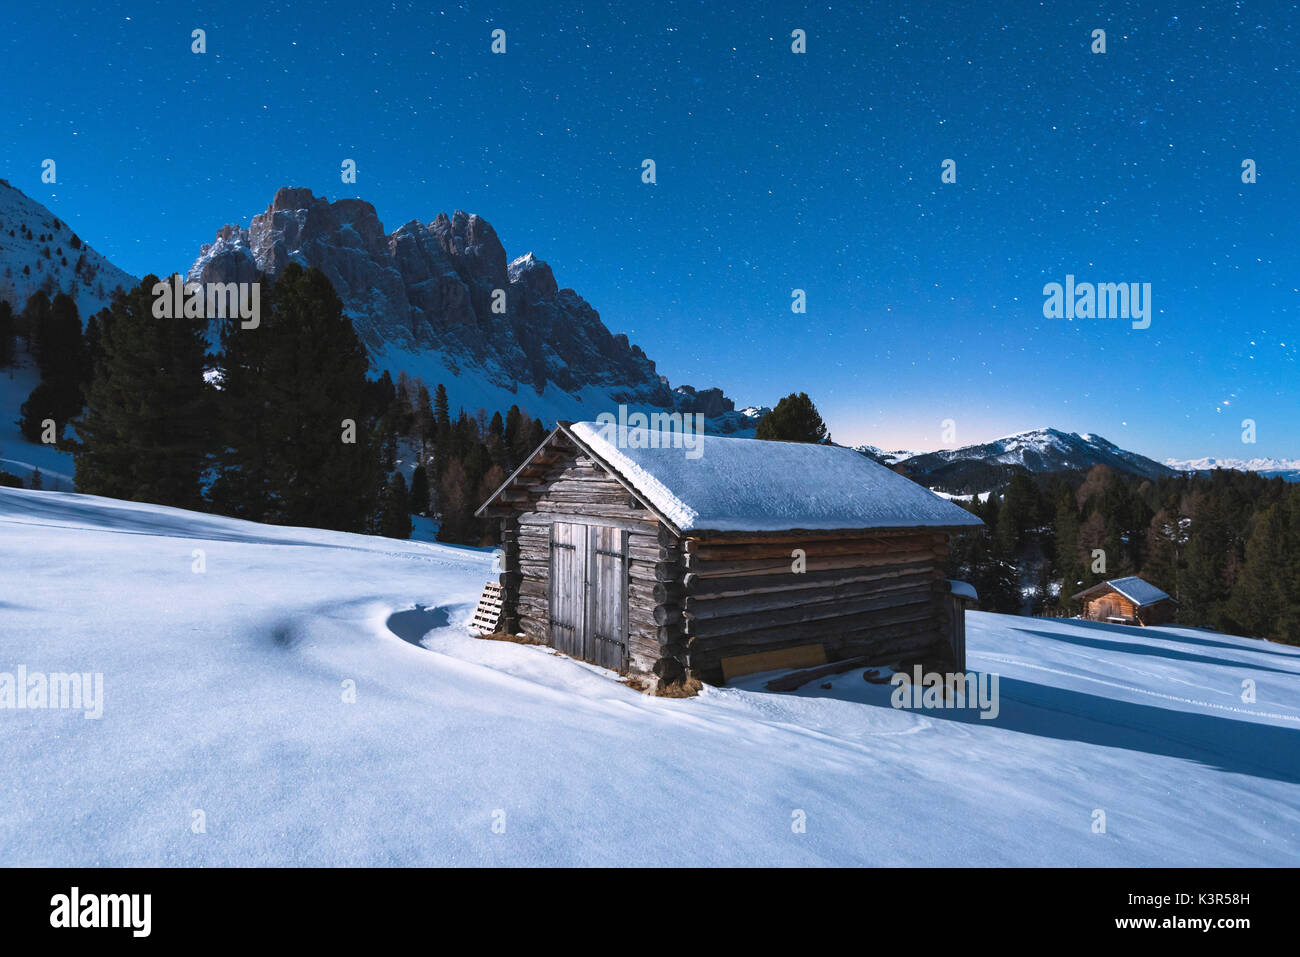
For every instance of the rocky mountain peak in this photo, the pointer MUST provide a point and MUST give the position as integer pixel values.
(427, 299)
(534, 277)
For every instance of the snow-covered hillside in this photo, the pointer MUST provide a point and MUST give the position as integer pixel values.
(224, 693)
(40, 251)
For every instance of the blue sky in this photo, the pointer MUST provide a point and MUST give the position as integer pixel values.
(775, 171)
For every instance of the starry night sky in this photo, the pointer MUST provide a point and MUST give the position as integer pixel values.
(775, 171)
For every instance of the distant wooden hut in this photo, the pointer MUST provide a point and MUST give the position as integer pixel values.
(1130, 601)
(723, 556)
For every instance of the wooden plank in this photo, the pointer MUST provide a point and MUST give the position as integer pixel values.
(813, 563)
(628, 523)
(865, 546)
(771, 601)
(799, 656)
(709, 589)
(901, 603)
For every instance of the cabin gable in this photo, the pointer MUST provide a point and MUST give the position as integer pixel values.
(584, 557)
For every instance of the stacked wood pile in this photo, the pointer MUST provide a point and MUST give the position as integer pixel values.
(878, 593)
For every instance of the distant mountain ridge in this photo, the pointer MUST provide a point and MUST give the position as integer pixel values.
(1288, 469)
(441, 301)
(885, 456)
(1037, 451)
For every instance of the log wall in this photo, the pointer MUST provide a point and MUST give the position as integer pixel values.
(875, 594)
(1110, 604)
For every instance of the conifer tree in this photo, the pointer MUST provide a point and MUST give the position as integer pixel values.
(456, 522)
(536, 435)
(425, 423)
(441, 409)
(795, 419)
(1207, 586)
(496, 441)
(35, 313)
(312, 456)
(8, 333)
(420, 491)
(60, 357)
(57, 341)
(145, 433)
(245, 420)
(395, 509)
(1163, 542)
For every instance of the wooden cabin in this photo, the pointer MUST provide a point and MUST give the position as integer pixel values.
(636, 551)
(1129, 601)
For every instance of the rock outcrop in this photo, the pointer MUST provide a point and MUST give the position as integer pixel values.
(447, 287)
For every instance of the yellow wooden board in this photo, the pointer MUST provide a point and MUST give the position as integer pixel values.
(802, 656)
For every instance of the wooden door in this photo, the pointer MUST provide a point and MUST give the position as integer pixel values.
(607, 597)
(568, 574)
(588, 593)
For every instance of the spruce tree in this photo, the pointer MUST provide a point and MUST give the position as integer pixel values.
(1258, 595)
(8, 332)
(511, 434)
(496, 441)
(1207, 587)
(57, 341)
(34, 315)
(425, 423)
(441, 409)
(795, 419)
(536, 435)
(244, 485)
(48, 402)
(420, 491)
(146, 429)
(456, 516)
(60, 357)
(1163, 541)
(395, 509)
(311, 457)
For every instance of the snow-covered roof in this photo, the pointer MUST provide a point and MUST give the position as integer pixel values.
(717, 483)
(1136, 590)
(962, 589)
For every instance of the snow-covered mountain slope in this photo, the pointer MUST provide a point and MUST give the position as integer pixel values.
(1038, 450)
(226, 692)
(1288, 469)
(39, 251)
(441, 301)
